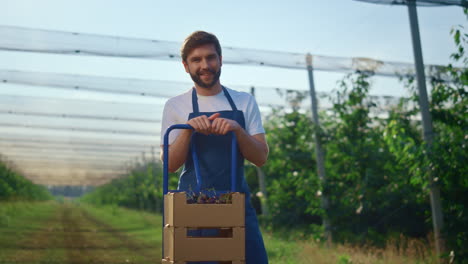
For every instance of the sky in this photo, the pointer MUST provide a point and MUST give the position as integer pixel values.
(340, 28)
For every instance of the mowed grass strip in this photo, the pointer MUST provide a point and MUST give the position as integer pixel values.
(27, 232)
(139, 231)
(66, 233)
(92, 239)
(88, 241)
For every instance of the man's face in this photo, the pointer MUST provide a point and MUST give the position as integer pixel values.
(204, 66)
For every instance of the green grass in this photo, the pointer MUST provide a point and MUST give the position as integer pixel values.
(20, 223)
(43, 232)
(138, 225)
(18, 219)
(280, 250)
(14, 214)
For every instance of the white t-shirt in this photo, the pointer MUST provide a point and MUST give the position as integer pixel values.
(177, 110)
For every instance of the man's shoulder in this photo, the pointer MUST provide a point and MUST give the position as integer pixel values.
(239, 95)
(183, 98)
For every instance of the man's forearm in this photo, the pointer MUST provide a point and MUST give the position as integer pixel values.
(253, 148)
(178, 150)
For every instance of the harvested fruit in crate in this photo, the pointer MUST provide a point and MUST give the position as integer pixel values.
(203, 198)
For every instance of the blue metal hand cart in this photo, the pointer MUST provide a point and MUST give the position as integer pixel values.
(180, 219)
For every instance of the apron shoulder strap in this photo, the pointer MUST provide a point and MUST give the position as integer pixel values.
(194, 101)
(231, 102)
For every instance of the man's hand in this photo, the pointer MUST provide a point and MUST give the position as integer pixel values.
(221, 126)
(202, 124)
(254, 148)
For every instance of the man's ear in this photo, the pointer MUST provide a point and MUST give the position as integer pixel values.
(185, 66)
(220, 60)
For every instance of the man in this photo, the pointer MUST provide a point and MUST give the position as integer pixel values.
(214, 111)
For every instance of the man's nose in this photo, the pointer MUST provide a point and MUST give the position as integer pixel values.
(204, 64)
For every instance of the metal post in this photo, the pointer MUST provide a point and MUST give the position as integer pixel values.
(319, 151)
(437, 219)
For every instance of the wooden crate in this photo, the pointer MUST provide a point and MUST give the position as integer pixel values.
(180, 216)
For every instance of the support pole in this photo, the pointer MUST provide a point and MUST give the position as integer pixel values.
(437, 219)
(319, 151)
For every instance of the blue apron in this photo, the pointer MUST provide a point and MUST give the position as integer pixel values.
(214, 160)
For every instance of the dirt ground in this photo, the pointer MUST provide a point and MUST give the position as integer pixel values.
(72, 236)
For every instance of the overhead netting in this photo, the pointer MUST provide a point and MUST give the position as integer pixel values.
(70, 129)
(47, 41)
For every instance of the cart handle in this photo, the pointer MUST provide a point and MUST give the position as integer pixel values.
(195, 159)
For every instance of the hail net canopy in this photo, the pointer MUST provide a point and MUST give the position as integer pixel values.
(57, 139)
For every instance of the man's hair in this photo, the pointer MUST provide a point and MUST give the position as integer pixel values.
(197, 39)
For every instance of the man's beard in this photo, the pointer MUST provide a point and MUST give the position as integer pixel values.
(199, 82)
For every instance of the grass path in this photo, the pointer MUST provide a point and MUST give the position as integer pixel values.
(68, 233)
(25, 232)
